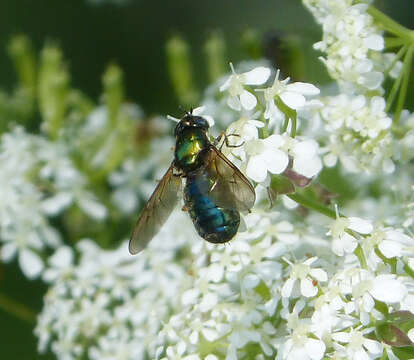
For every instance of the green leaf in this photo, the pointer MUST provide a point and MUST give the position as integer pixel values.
(215, 49)
(21, 51)
(53, 90)
(382, 307)
(397, 317)
(113, 91)
(404, 353)
(392, 335)
(263, 291)
(281, 185)
(180, 71)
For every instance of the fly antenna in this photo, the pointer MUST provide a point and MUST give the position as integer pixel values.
(189, 113)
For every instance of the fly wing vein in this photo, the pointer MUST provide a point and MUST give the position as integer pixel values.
(156, 211)
(231, 188)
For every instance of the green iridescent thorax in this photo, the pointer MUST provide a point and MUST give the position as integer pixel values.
(188, 146)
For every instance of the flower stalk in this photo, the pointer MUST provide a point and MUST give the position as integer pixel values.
(390, 25)
(17, 309)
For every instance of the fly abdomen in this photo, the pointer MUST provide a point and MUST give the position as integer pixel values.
(213, 223)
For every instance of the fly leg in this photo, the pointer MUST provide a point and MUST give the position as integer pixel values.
(226, 141)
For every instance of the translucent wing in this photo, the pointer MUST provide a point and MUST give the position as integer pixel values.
(156, 211)
(230, 189)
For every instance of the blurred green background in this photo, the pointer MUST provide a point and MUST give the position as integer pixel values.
(134, 36)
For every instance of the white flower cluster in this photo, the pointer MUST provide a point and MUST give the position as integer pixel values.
(261, 156)
(129, 181)
(356, 128)
(352, 44)
(253, 298)
(124, 299)
(359, 133)
(25, 231)
(284, 287)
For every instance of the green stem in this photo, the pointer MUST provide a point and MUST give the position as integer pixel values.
(17, 309)
(308, 203)
(294, 124)
(392, 42)
(390, 25)
(404, 86)
(324, 210)
(408, 270)
(290, 114)
(399, 55)
(361, 257)
(394, 90)
(285, 124)
(265, 129)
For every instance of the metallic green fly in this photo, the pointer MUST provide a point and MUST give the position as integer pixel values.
(214, 193)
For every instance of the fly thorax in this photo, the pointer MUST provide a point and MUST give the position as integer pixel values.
(189, 144)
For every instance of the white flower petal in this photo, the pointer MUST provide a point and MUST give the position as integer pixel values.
(226, 85)
(307, 289)
(315, 348)
(209, 119)
(92, 207)
(303, 88)
(368, 302)
(198, 111)
(319, 274)
(215, 272)
(210, 334)
(307, 167)
(287, 287)
(349, 243)
(330, 160)
(8, 251)
(343, 337)
(181, 346)
(388, 289)
(256, 169)
(377, 104)
(190, 296)
(208, 302)
(372, 80)
(250, 281)
(276, 161)
(390, 249)
(293, 100)
(306, 149)
(248, 100)
(234, 103)
(256, 123)
(311, 260)
(257, 76)
(360, 225)
(275, 141)
(211, 357)
(63, 257)
(30, 263)
(374, 347)
(57, 203)
(231, 353)
(360, 355)
(374, 42)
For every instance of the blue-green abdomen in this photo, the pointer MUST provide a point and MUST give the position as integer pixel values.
(215, 224)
